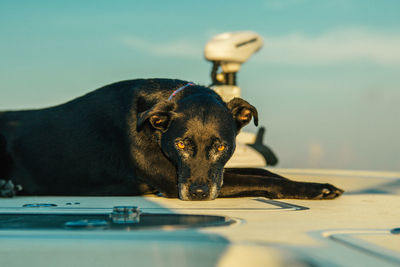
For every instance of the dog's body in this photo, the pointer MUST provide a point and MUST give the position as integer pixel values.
(138, 137)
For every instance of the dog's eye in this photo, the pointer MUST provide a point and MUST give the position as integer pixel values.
(180, 145)
(221, 148)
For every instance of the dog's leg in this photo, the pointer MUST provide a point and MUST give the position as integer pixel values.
(253, 171)
(7, 188)
(259, 182)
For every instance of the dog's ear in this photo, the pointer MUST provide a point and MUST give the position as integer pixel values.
(159, 116)
(242, 112)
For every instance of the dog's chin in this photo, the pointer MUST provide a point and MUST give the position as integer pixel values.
(185, 195)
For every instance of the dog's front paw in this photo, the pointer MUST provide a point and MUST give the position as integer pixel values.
(325, 191)
(8, 189)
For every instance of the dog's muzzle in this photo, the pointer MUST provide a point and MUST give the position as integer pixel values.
(197, 191)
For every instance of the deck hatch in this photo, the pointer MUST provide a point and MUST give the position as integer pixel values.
(32, 221)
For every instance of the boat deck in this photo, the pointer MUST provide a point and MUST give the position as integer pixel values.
(361, 228)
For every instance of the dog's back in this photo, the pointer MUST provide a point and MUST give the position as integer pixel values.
(61, 145)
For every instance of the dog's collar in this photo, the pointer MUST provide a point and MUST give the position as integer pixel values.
(179, 89)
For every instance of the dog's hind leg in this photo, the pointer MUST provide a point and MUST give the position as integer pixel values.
(259, 182)
(7, 188)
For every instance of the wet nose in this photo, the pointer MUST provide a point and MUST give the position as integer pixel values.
(198, 191)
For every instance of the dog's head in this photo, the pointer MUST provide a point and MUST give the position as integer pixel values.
(197, 135)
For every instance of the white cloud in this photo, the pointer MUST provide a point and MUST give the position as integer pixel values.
(340, 46)
(181, 48)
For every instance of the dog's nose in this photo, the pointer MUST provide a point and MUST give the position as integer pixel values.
(198, 191)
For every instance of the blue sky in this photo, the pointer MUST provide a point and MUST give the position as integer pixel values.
(326, 81)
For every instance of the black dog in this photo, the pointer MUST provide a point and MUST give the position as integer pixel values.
(138, 137)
